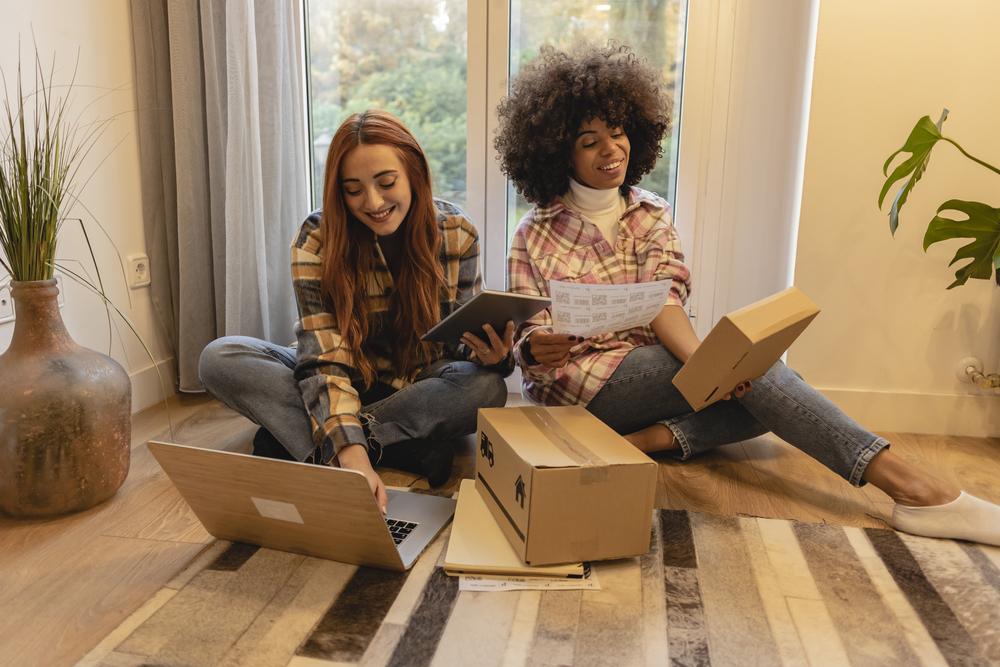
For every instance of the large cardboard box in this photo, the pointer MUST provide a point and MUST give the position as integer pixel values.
(744, 345)
(563, 486)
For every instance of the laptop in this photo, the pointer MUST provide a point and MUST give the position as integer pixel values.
(309, 509)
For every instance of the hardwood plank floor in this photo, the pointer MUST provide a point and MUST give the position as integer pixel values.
(66, 583)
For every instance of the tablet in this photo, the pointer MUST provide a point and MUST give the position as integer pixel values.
(487, 307)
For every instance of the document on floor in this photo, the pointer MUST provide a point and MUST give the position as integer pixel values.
(484, 583)
(588, 310)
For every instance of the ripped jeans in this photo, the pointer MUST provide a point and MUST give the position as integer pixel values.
(256, 379)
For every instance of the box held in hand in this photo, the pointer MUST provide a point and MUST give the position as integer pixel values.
(562, 485)
(744, 345)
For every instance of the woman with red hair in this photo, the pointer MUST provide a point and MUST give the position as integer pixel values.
(378, 266)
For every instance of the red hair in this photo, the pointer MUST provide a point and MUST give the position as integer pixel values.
(348, 250)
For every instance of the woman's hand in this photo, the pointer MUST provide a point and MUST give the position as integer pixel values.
(488, 354)
(355, 457)
(552, 349)
(741, 390)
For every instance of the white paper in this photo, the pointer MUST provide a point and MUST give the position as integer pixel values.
(483, 583)
(589, 310)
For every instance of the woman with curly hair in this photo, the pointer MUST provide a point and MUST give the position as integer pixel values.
(378, 266)
(577, 133)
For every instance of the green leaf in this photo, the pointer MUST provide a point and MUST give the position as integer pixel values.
(982, 225)
(922, 138)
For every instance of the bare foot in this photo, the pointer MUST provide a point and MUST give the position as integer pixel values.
(655, 438)
(907, 484)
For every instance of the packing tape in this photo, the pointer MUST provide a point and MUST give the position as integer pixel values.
(594, 475)
(564, 440)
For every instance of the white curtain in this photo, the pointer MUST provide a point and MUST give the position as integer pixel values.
(221, 112)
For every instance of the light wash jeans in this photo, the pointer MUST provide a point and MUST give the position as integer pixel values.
(256, 378)
(641, 393)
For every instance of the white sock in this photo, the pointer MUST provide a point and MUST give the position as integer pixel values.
(964, 518)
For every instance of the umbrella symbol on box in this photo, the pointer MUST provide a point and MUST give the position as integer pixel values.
(486, 449)
(519, 491)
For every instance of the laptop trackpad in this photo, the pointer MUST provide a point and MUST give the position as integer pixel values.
(276, 509)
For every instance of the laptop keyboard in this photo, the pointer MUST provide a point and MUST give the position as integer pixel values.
(399, 529)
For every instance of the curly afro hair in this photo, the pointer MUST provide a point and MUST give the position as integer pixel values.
(559, 91)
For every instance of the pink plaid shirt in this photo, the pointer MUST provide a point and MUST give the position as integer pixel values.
(557, 243)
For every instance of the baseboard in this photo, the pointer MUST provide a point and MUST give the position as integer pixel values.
(940, 414)
(146, 384)
(896, 412)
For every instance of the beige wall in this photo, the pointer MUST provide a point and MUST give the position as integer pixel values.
(100, 31)
(889, 340)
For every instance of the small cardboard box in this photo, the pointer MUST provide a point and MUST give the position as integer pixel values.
(562, 485)
(744, 345)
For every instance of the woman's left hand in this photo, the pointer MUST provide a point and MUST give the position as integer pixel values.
(494, 351)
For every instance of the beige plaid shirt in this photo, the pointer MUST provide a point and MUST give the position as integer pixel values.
(557, 243)
(326, 370)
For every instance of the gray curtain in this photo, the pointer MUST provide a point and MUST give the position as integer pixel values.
(222, 143)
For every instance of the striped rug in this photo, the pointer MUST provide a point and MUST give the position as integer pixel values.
(712, 591)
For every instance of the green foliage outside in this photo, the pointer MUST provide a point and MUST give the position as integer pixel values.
(405, 56)
(409, 57)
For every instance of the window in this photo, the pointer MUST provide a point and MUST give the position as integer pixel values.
(442, 66)
(407, 57)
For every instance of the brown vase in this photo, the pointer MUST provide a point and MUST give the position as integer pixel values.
(65, 414)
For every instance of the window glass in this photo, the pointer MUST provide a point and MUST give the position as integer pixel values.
(407, 57)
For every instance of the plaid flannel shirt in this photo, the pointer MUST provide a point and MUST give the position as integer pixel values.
(557, 243)
(326, 370)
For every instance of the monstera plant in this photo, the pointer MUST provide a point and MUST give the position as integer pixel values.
(981, 222)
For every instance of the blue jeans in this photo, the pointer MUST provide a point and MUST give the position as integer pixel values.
(641, 393)
(256, 379)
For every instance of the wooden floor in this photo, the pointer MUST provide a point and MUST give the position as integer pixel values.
(66, 583)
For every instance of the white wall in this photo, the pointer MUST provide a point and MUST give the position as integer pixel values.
(100, 32)
(889, 339)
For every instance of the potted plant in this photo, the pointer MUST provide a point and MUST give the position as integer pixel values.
(65, 410)
(982, 221)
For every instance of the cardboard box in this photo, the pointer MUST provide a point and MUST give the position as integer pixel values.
(744, 345)
(563, 486)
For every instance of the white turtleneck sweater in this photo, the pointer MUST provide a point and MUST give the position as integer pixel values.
(604, 208)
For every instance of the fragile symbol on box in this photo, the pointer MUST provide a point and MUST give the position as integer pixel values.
(519, 491)
(486, 449)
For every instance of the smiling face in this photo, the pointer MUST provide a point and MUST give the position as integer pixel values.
(600, 155)
(376, 188)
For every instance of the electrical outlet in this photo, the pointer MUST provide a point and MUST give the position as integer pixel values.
(138, 271)
(61, 299)
(6, 304)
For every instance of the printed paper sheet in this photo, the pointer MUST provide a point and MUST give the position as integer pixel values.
(476, 582)
(589, 310)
